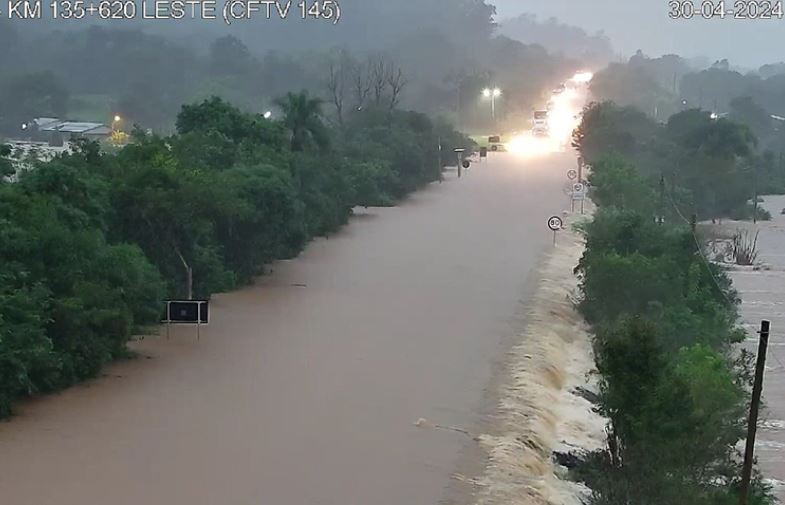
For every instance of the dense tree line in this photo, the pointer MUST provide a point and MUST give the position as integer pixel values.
(672, 383)
(666, 85)
(708, 166)
(448, 53)
(91, 242)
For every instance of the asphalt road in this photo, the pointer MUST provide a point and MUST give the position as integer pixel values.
(306, 387)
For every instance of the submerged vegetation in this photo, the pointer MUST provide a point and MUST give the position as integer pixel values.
(91, 242)
(672, 384)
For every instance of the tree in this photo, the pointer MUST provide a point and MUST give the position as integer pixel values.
(745, 110)
(302, 117)
(27, 96)
(6, 165)
(340, 68)
(228, 55)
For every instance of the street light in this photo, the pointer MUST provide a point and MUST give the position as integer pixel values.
(493, 94)
(117, 118)
(268, 114)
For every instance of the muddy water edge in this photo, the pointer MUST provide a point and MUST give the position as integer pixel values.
(534, 407)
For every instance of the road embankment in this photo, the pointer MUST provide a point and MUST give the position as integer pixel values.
(542, 407)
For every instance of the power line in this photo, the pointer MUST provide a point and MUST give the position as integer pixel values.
(700, 250)
(708, 264)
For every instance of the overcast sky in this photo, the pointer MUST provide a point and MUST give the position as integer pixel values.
(644, 24)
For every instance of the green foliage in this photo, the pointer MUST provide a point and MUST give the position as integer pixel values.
(700, 164)
(671, 383)
(615, 182)
(91, 242)
(302, 117)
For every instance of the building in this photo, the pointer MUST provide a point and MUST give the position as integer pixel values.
(57, 132)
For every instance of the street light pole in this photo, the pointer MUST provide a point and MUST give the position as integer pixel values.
(493, 94)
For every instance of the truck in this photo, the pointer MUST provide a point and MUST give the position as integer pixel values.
(540, 128)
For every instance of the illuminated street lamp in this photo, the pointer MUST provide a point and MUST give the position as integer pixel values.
(115, 121)
(493, 94)
(268, 114)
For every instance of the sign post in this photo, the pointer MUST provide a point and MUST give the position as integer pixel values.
(555, 224)
(459, 151)
(187, 312)
(578, 193)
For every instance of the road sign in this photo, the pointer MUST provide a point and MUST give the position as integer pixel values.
(555, 223)
(494, 139)
(578, 187)
(572, 174)
(483, 152)
(467, 163)
(186, 312)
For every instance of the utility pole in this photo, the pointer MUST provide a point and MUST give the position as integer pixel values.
(755, 192)
(441, 167)
(661, 217)
(752, 424)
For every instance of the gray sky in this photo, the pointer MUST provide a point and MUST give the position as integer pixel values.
(644, 24)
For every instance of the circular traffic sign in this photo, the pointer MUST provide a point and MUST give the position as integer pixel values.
(577, 187)
(555, 223)
(572, 174)
(467, 163)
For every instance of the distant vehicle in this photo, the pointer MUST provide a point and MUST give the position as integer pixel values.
(540, 128)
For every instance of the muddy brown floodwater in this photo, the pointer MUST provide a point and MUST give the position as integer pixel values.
(305, 388)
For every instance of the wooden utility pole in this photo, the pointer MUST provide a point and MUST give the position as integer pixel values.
(752, 424)
(755, 192)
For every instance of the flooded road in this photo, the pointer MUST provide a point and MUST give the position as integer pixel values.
(305, 388)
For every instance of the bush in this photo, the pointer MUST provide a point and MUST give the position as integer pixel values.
(92, 242)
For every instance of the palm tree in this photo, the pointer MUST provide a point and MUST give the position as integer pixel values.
(303, 118)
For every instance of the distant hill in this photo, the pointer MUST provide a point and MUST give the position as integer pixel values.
(558, 37)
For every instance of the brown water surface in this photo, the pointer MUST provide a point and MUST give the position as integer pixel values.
(305, 388)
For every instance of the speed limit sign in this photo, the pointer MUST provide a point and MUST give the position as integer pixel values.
(555, 223)
(572, 174)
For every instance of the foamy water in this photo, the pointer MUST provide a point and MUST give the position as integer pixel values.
(538, 411)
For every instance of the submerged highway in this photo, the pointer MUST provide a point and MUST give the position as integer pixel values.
(307, 386)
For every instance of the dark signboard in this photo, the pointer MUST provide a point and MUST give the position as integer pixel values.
(186, 312)
(494, 139)
(483, 152)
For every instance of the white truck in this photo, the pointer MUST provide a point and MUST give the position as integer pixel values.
(540, 128)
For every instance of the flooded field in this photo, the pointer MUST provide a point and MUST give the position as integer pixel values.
(763, 297)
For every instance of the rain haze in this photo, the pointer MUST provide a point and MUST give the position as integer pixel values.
(392, 252)
(645, 25)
